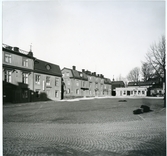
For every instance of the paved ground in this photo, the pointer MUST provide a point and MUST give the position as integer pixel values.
(97, 127)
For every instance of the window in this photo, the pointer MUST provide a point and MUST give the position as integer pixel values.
(25, 62)
(37, 79)
(25, 78)
(56, 93)
(77, 83)
(131, 92)
(143, 92)
(77, 91)
(67, 74)
(8, 58)
(25, 94)
(83, 83)
(8, 76)
(90, 84)
(138, 91)
(68, 91)
(96, 85)
(48, 81)
(56, 82)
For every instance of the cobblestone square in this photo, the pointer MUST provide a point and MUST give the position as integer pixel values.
(92, 127)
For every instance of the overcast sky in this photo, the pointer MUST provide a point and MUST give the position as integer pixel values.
(106, 37)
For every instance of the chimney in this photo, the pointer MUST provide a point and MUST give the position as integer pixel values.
(74, 67)
(83, 70)
(16, 49)
(30, 54)
(9, 47)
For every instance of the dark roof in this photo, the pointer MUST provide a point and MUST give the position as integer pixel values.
(41, 66)
(77, 74)
(118, 83)
(140, 83)
(107, 81)
(84, 76)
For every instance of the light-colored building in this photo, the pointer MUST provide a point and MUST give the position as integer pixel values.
(47, 81)
(84, 84)
(75, 83)
(17, 74)
(131, 91)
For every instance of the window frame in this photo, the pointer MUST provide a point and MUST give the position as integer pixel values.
(7, 57)
(37, 79)
(48, 81)
(25, 62)
(8, 76)
(25, 78)
(56, 93)
(56, 82)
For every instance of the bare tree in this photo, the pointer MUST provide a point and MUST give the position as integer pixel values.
(146, 71)
(156, 57)
(134, 74)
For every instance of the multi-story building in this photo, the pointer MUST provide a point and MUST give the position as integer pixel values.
(85, 83)
(107, 87)
(47, 81)
(75, 82)
(17, 74)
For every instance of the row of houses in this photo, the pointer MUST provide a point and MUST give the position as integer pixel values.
(26, 79)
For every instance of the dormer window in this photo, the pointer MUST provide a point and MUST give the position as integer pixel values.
(48, 67)
(7, 58)
(67, 74)
(25, 62)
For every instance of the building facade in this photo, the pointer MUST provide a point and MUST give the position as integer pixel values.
(27, 79)
(132, 91)
(47, 81)
(75, 83)
(84, 83)
(17, 74)
(116, 84)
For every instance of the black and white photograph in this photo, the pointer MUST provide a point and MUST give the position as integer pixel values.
(83, 78)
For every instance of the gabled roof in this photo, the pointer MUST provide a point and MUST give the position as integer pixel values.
(84, 76)
(77, 74)
(46, 68)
